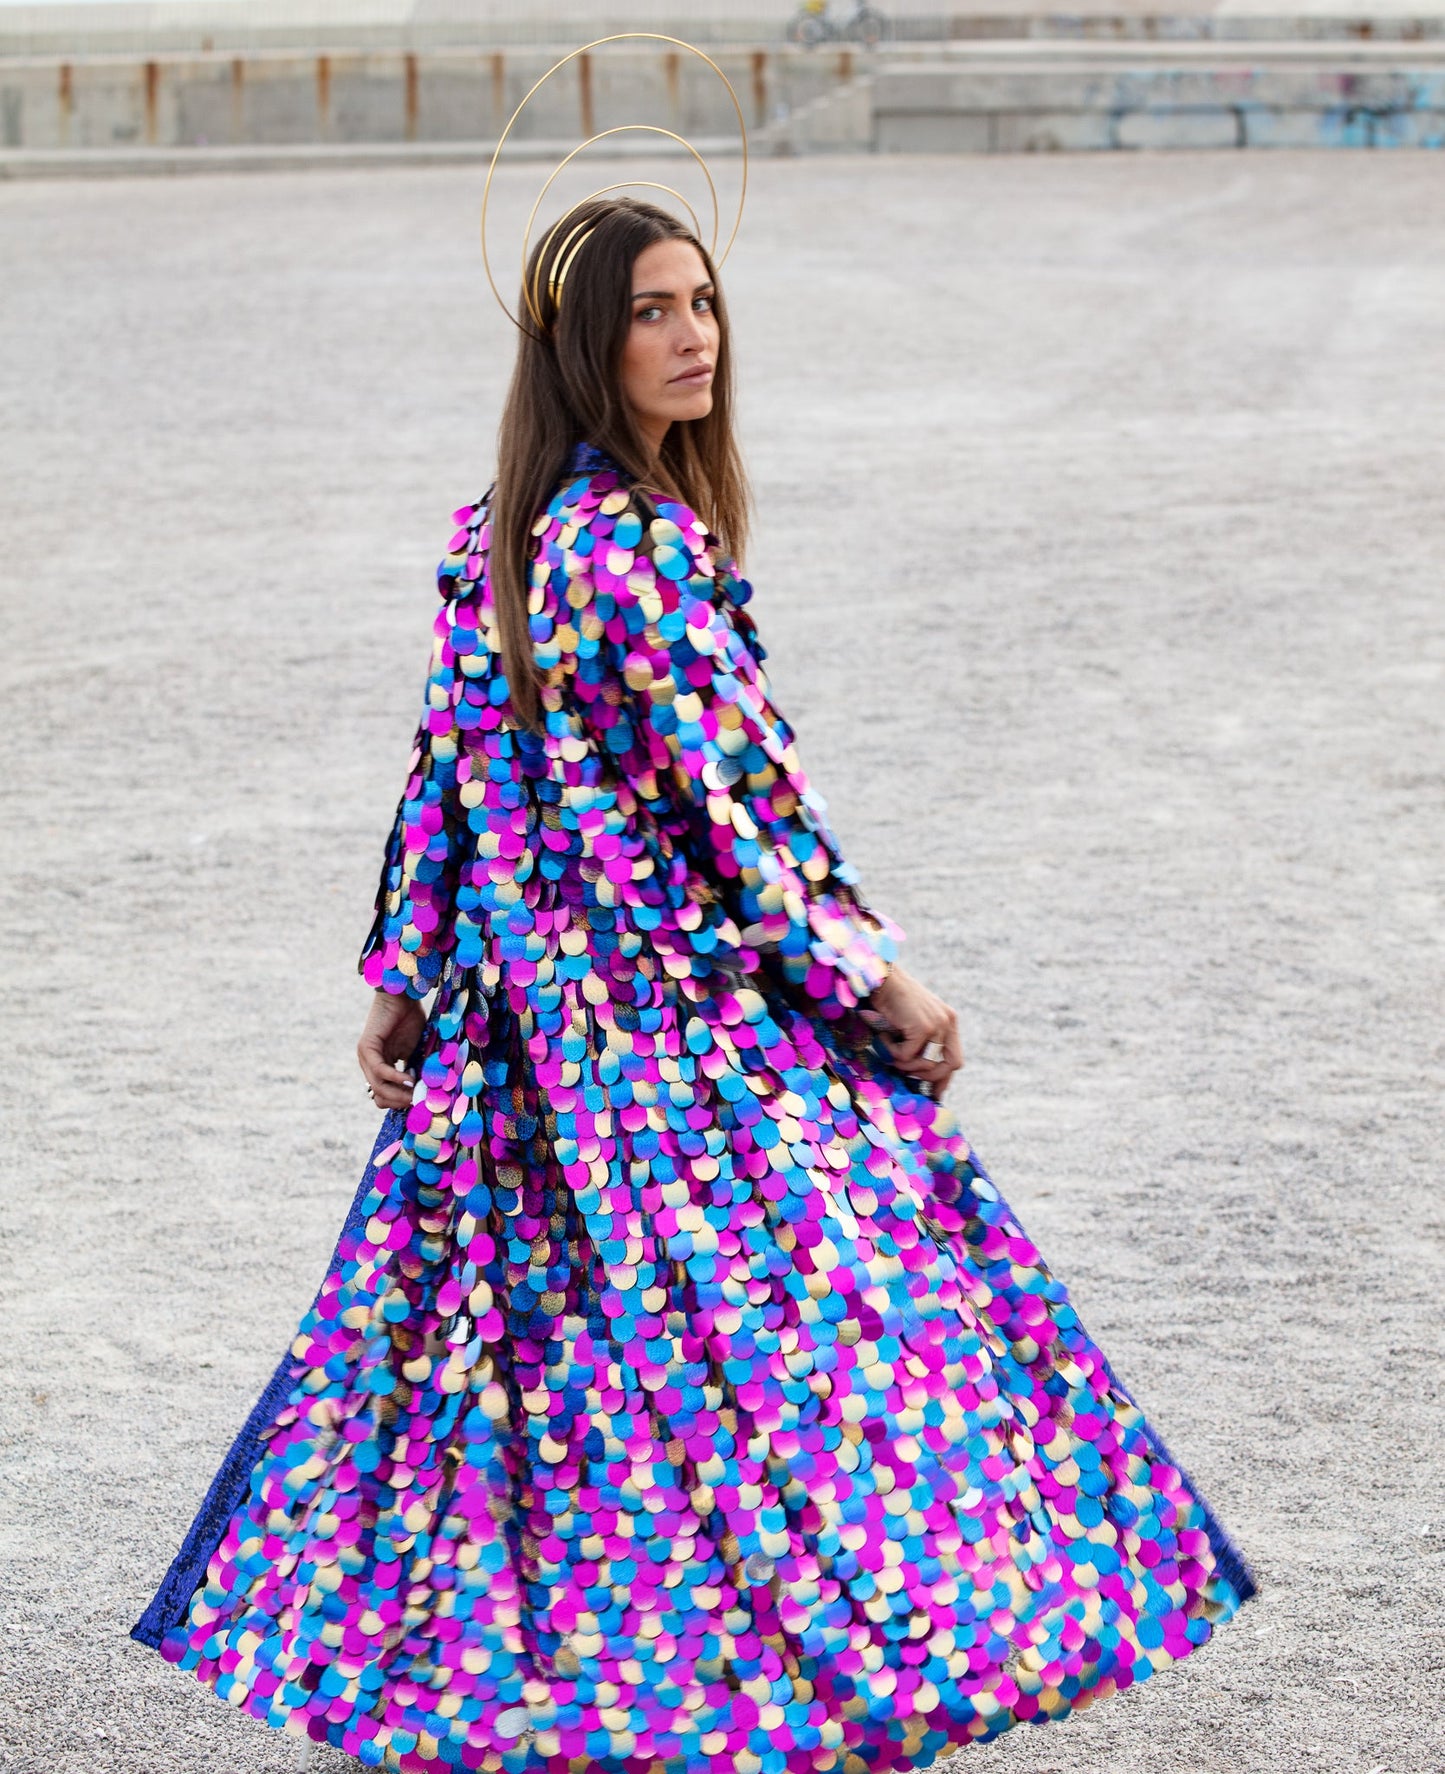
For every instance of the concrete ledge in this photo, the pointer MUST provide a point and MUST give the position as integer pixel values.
(1152, 89)
(59, 163)
(165, 27)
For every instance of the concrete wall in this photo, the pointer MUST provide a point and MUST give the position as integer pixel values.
(1043, 99)
(388, 96)
(1005, 96)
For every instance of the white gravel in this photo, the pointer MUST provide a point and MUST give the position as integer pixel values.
(1099, 555)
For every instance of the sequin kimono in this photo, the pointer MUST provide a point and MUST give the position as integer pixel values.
(682, 1394)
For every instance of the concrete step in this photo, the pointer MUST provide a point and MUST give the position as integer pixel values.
(1158, 96)
(1343, 52)
(1032, 94)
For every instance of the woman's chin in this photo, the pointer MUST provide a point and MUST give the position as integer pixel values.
(694, 404)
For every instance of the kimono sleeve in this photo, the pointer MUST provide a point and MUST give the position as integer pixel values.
(706, 718)
(413, 929)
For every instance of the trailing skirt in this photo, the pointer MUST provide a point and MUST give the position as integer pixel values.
(860, 1489)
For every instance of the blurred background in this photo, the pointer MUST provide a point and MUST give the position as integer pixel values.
(1003, 75)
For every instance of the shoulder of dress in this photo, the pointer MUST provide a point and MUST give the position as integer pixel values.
(616, 540)
(583, 494)
(460, 569)
(636, 544)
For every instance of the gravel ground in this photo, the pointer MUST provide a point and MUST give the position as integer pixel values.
(1099, 557)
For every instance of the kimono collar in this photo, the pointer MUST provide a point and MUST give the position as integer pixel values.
(586, 458)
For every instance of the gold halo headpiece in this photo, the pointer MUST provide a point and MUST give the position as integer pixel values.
(567, 252)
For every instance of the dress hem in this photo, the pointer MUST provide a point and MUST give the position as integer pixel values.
(168, 1606)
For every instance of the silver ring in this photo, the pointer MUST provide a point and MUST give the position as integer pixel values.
(933, 1053)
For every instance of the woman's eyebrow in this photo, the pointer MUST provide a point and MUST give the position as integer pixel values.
(668, 295)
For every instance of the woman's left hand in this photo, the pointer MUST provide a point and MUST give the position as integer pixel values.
(923, 1032)
(388, 1039)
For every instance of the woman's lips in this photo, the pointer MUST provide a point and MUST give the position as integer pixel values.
(703, 373)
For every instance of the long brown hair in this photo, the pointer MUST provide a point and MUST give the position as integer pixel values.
(566, 389)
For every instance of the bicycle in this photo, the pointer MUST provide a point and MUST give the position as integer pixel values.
(812, 25)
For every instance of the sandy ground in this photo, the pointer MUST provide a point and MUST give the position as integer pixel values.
(1099, 554)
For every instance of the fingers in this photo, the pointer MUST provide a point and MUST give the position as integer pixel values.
(390, 1089)
(940, 1074)
(912, 1061)
(929, 1030)
(392, 1030)
(907, 1045)
(934, 1073)
(937, 1038)
(390, 1092)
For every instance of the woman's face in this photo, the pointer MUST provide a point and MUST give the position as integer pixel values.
(672, 341)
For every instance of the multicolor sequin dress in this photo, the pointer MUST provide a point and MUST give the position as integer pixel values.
(682, 1395)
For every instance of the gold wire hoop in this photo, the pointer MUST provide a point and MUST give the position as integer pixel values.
(598, 43)
(561, 265)
(530, 286)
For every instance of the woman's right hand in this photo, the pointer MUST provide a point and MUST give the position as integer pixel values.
(916, 1018)
(388, 1039)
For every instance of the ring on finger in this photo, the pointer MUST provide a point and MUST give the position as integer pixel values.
(933, 1053)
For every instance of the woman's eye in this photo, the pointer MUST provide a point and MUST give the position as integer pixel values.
(647, 313)
(703, 305)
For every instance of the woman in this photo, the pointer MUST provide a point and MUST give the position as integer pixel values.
(682, 1394)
